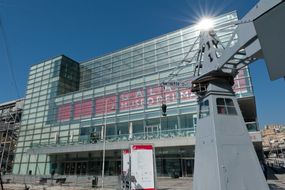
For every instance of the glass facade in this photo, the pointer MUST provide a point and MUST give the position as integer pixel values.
(68, 103)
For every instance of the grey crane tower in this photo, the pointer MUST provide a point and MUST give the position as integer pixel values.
(225, 158)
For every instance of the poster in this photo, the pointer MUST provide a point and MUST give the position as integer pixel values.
(142, 167)
(126, 162)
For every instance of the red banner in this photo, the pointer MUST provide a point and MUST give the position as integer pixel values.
(186, 95)
(105, 105)
(156, 94)
(132, 100)
(240, 85)
(142, 147)
(135, 99)
(83, 109)
(64, 112)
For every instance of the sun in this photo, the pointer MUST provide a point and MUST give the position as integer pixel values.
(205, 24)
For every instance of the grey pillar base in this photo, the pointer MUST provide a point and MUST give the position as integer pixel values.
(225, 158)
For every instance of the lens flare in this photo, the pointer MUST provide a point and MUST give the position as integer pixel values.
(205, 24)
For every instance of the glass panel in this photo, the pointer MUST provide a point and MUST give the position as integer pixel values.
(220, 101)
(231, 110)
(138, 126)
(123, 128)
(155, 121)
(186, 121)
(229, 102)
(226, 106)
(168, 123)
(204, 109)
(221, 109)
(251, 126)
(110, 130)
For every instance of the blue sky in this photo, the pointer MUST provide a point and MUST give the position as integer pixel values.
(37, 30)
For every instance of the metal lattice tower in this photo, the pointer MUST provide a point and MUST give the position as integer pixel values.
(10, 117)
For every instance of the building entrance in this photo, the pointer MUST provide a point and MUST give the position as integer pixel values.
(75, 168)
(187, 167)
(171, 167)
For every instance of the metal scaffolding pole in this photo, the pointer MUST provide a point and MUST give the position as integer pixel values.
(10, 114)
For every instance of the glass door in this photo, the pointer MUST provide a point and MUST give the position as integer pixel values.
(78, 168)
(72, 168)
(66, 168)
(152, 131)
(84, 168)
(187, 167)
(75, 168)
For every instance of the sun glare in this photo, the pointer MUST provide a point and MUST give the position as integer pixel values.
(205, 24)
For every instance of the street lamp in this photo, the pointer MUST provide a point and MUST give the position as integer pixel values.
(104, 141)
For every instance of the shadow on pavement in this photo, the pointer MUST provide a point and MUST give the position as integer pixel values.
(275, 187)
(271, 174)
(278, 170)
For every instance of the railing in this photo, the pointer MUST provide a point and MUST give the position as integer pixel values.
(162, 134)
(186, 132)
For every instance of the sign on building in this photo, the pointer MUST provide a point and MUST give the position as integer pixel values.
(126, 162)
(142, 170)
(125, 179)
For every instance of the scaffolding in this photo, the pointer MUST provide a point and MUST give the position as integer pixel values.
(10, 117)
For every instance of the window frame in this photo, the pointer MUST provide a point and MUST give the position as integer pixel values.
(204, 109)
(225, 106)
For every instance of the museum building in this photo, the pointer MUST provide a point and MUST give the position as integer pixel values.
(68, 104)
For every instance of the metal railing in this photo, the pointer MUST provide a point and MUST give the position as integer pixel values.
(161, 134)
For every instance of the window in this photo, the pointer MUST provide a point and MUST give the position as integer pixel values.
(186, 121)
(169, 123)
(226, 106)
(204, 109)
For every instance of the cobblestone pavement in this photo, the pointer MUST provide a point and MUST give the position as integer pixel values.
(163, 184)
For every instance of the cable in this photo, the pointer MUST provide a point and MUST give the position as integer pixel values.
(7, 52)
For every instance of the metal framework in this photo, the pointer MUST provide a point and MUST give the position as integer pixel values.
(10, 117)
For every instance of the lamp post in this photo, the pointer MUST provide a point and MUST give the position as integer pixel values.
(104, 143)
(104, 140)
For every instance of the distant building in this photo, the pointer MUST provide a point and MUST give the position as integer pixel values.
(68, 104)
(273, 139)
(10, 117)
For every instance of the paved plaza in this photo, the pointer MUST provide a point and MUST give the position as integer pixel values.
(276, 182)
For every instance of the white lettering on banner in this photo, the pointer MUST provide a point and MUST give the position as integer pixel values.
(150, 92)
(150, 101)
(139, 93)
(155, 95)
(159, 99)
(170, 97)
(132, 100)
(184, 94)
